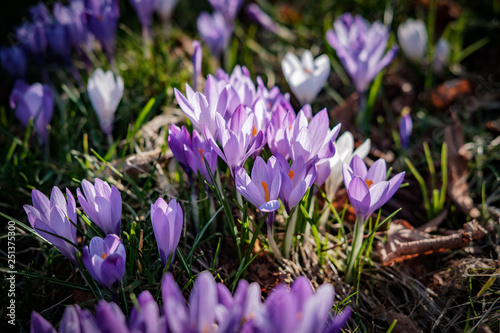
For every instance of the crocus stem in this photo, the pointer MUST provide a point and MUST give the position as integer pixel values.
(272, 243)
(364, 115)
(110, 139)
(196, 212)
(289, 233)
(357, 242)
(239, 199)
(146, 41)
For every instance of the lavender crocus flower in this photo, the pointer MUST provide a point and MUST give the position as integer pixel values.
(102, 20)
(360, 47)
(144, 10)
(367, 188)
(40, 14)
(307, 76)
(110, 317)
(103, 204)
(39, 324)
(441, 56)
(300, 309)
(55, 220)
(105, 92)
(263, 188)
(35, 101)
(228, 8)
(239, 138)
(281, 121)
(71, 17)
(215, 31)
(77, 320)
(146, 317)
(199, 152)
(412, 36)
(197, 57)
(33, 41)
(59, 41)
(167, 220)
(177, 139)
(165, 8)
(14, 61)
(104, 259)
(405, 129)
(255, 13)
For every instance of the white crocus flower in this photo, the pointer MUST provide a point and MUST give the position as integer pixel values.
(344, 152)
(412, 36)
(307, 76)
(105, 92)
(441, 55)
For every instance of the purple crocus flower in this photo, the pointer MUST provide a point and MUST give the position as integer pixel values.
(299, 309)
(199, 152)
(405, 129)
(59, 41)
(177, 139)
(35, 101)
(146, 317)
(105, 260)
(263, 188)
(14, 61)
(33, 41)
(197, 57)
(71, 17)
(215, 31)
(144, 10)
(165, 8)
(296, 179)
(40, 325)
(110, 317)
(102, 20)
(55, 219)
(360, 47)
(258, 15)
(40, 14)
(367, 189)
(200, 108)
(77, 320)
(202, 303)
(228, 8)
(281, 121)
(239, 138)
(103, 204)
(167, 220)
(311, 141)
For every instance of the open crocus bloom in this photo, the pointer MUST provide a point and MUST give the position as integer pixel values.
(367, 189)
(412, 36)
(307, 76)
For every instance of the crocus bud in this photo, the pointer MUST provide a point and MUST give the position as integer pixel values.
(412, 36)
(55, 220)
(104, 259)
(35, 102)
(441, 56)
(14, 61)
(256, 14)
(197, 57)
(307, 76)
(103, 204)
(102, 20)
(40, 325)
(405, 128)
(105, 92)
(214, 31)
(144, 10)
(167, 222)
(110, 317)
(165, 8)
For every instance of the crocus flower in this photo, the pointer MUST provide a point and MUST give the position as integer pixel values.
(360, 47)
(59, 41)
(105, 92)
(13, 61)
(199, 152)
(144, 9)
(77, 320)
(110, 317)
(39, 324)
(146, 317)
(40, 14)
(239, 138)
(71, 17)
(197, 57)
(35, 102)
(214, 31)
(281, 121)
(102, 20)
(412, 36)
(104, 259)
(296, 179)
(311, 141)
(257, 14)
(177, 138)
(167, 222)
(300, 309)
(165, 8)
(228, 8)
(405, 129)
(103, 204)
(367, 189)
(55, 220)
(344, 151)
(441, 56)
(306, 76)
(33, 41)
(263, 188)
(202, 303)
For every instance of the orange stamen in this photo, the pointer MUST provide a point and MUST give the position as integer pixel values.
(201, 154)
(104, 255)
(369, 183)
(266, 190)
(254, 131)
(291, 174)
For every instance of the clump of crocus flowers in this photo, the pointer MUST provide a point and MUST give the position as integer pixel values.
(212, 308)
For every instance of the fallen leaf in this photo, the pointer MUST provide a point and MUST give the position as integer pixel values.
(448, 92)
(458, 189)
